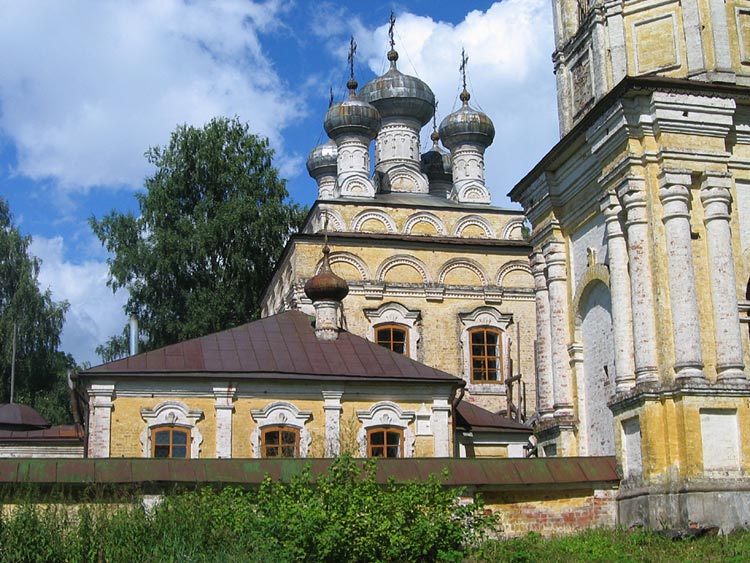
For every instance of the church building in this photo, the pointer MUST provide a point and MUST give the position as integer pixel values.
(641, 254)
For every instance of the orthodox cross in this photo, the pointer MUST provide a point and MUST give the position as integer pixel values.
(462, 68)
(350, 58)
(390, 29)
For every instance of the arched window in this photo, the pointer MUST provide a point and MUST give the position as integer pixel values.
(279, 441)
(394, 337)
(170, 442)
(486, 355)
(385, 441)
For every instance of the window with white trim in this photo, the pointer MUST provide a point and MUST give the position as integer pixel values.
(170, 427)
(485, 342)
(395, 327)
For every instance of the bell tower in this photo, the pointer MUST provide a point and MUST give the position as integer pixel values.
(600, 42)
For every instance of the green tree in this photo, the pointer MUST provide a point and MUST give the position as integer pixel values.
(213, 221)
(37, 321)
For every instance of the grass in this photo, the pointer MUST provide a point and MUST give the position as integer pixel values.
(615, 546)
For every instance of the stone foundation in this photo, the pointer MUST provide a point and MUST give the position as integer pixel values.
(727, 508)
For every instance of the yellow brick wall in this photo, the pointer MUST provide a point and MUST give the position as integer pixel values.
(127, 424)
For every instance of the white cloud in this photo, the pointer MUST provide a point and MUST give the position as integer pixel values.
(509, 75)
(86, 87)
(95, 312)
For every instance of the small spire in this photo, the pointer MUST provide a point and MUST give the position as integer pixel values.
(464, 96)
(352, 84)
(330, 98)
(392, 54)
(325, 234)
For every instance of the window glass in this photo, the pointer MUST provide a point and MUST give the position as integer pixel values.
(280, 441)
(486, 356)
(385, 442)
(170, 442)
(393, 337)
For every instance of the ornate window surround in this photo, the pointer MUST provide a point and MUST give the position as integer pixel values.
(395, 313)
(386, 413)
(488, 317)
(172, 413)
(281, 413)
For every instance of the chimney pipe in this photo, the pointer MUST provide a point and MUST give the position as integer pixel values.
(133, 335)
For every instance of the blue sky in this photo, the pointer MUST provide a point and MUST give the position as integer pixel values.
(87, 86)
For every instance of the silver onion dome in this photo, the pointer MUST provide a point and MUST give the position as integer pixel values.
(436, 163)
(322, 159)
(395, 94)
(353, 115)
(467, 126)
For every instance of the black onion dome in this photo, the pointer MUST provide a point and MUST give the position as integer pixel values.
(353, 115)
(467, 125)
(322, 159)
(399, 95)
(326, 286)
(436, 163)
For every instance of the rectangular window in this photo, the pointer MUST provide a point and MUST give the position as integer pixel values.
(280, 441)
(170, 442)
(385, 442)
(486, 357)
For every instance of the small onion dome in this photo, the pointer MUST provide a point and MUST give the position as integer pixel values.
(21, 417)
(467, 126)
(436, 163)
(353, 115)
(326, 286)
(322, 159)
(399, 95)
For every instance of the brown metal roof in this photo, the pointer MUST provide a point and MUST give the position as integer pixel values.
(55, 434)
(282, 346)
(14, 416)
(493, 474)
(478, 419)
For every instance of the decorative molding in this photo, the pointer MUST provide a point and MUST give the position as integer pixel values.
(476, 221)
(281, 413)
(511, 227)
(456, 263)
(425, 217)
(512, 266)
(402, 260)
(396, 313)
(484, 316)
(346, 258)
(172, 413)
(376, 215)
(386, 413)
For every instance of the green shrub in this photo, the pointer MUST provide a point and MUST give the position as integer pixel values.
(345, 516)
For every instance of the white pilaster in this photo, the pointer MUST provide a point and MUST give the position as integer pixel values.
(716, 199)
(620, 291)
(224, 405)
(100, 418)
(545, 397)
(332, 409)
(675, 197)
(720, 35)
(557, 285)
(441, 428)
(633, 196)
(617, 52)
(691, 23)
